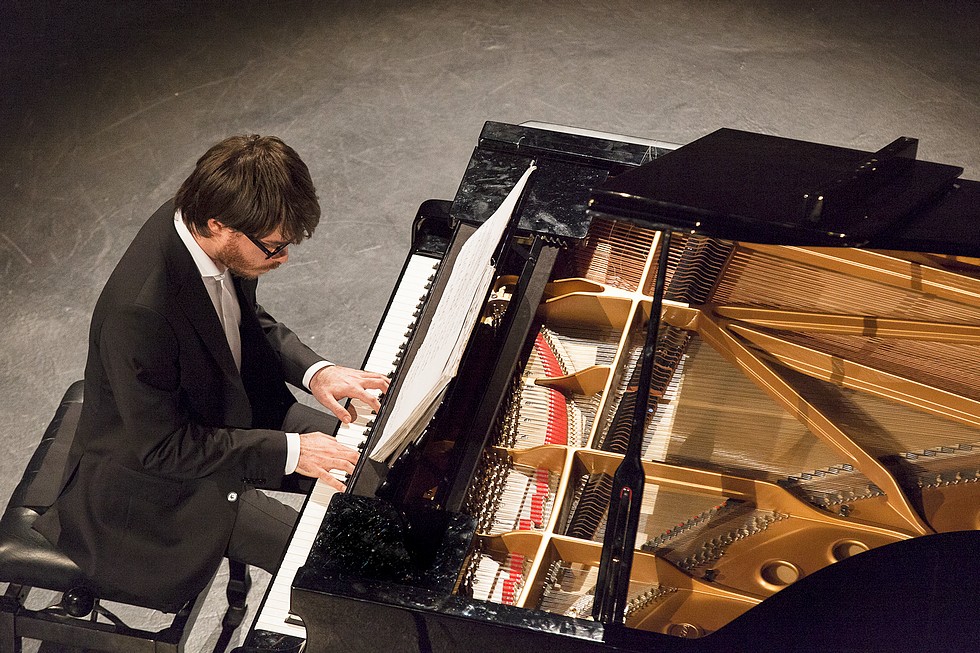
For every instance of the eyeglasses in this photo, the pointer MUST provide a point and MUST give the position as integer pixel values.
(269, 253)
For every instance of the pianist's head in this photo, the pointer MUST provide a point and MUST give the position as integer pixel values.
(247, 200)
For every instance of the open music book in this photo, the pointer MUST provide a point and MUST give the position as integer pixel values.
(439, 355)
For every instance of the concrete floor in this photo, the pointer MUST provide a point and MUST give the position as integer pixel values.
(104, 107)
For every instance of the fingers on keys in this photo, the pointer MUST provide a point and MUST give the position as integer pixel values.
(321, 454)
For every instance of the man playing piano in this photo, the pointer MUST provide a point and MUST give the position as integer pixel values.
(186, 409)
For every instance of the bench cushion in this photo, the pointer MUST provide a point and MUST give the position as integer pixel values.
(26, 557)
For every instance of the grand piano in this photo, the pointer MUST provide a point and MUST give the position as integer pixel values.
(786, 458)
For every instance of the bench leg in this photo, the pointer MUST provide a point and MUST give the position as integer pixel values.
(10, 604)
(9, 641)
(239, 583)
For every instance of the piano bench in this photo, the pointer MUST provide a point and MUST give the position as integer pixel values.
(28, 561)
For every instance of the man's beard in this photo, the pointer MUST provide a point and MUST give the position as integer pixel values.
(232, 259)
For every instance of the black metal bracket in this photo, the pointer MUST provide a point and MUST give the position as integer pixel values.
(612, 584)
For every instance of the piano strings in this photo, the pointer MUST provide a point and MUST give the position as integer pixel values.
(614, 254)
(513, 496)
(551, 414)
(711, 416)
(499, 581)
(569, 589)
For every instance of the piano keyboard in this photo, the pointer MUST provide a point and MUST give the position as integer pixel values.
(383, 357)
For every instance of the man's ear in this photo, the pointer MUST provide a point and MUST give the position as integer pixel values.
(216, 227)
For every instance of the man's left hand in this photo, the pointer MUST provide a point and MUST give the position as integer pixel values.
(335, 383)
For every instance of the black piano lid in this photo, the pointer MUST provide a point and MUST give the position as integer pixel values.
(751, 187)
(569, 167)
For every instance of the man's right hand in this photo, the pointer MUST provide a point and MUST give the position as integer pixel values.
(319, 454)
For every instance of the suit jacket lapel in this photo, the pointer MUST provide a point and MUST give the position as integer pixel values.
(194, 301)
(199, 310)
(255, 349)
(261, 365)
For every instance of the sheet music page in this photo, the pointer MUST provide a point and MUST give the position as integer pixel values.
(439, 355)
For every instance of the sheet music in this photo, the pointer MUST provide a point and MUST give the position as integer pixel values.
(439, 355)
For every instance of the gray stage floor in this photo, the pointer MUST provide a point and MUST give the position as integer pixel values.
(104, 109)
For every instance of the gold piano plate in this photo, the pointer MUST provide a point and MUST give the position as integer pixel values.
(809, 404)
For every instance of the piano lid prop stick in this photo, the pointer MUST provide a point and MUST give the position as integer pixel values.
(626, 498)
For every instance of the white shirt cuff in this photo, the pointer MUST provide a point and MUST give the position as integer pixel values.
(292, 452)
(313, 369)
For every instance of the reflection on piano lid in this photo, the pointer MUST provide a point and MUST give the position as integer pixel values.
(750, 187)
(811, 460)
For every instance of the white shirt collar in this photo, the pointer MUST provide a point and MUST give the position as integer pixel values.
(205, 265)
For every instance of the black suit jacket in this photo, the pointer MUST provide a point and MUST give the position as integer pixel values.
(170, 433)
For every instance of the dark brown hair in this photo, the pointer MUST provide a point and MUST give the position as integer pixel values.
(254, 184)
